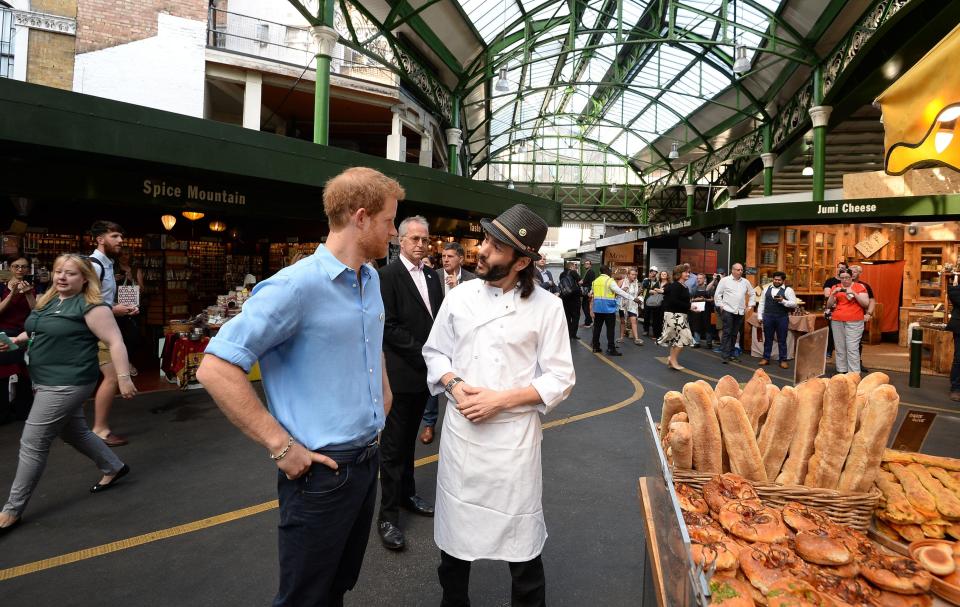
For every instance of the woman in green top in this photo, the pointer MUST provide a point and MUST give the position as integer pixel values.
(62, 333)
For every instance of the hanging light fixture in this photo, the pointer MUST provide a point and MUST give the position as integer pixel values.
(192, 215)
(502, 86)
(674, 151)
(168, 221)
(217, 226)
(511, 185)
(614, 189)
(807, 170)
(742, 63)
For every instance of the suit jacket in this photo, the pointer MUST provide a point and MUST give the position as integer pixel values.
(954, 294)
(407, 324)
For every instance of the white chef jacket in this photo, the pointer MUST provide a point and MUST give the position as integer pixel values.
(489, 481)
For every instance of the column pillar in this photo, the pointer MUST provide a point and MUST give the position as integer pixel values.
(768, 159)
(732, 191)
(426, 150)
(396, 142)
(691, 191)
(820, 114)
(325, 37)
(453, 149)
(252, 93)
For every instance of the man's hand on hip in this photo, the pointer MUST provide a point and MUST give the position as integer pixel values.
(298, 460)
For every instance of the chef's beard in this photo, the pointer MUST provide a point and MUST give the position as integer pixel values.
(493, 273)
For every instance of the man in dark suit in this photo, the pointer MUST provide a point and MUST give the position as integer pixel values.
(545, 277)
(412, 294)
(953, 292)
(586, 283)
(452, 275)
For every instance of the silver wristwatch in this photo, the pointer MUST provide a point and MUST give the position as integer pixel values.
(448, 388)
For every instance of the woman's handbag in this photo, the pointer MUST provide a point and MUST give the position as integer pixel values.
(654, 300)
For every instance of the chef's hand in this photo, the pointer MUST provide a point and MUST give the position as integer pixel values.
(298, 460)
(480, 404)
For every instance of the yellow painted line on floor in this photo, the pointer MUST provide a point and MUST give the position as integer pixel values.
(220, 519)
(664, 359)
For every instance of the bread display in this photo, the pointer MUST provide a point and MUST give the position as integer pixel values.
(673, 403)
(754, 401)
(876, 421)
(707, 441)
(781, 423)
(921, 496)
(809, 408)
(738, 437)
(727, 386)
(834, 434)
(681, 444)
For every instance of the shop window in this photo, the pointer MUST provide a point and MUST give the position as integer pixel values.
(6, 41)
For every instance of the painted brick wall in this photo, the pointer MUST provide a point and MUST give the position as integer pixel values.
(105, 23)
(50, 59)
(64, 8)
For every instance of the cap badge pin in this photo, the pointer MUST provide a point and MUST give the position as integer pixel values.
(523, 231)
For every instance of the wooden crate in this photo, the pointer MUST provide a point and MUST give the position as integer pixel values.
(941, 349)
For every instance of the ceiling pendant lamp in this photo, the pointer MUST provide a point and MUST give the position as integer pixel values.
(217, 226)
(614, 189)
(502, 85)
(674, 151)
(511, 185)
(192, 215)
(742, 63)
(168, 221)
(807, 170)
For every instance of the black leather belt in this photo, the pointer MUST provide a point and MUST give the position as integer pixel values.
(351, 455)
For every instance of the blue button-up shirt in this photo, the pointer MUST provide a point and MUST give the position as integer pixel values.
(108, 285)
(318, 334)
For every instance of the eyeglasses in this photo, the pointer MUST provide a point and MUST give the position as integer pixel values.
(420, 239)
(19, 266)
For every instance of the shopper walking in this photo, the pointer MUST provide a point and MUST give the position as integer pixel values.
(630, 306)
(62, 333)
(605, 291)
(497, 349)
(953, 292)
(733, 296)
(847, 303)
(411, 297)
(17, 299)
(570, 295)
(654, 303)
(109, 238)
(699, 319)
(586, 287)
(676, 305)
(776, 302)
(827, 287)
(317, 329)
(646, 286)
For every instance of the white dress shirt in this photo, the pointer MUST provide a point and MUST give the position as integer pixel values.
(489, 481)
(416, 272)
(731, 295)
(444, 275)
(789, 299)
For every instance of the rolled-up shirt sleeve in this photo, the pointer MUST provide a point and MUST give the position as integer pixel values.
(270, 317)
(438, 349)
(554, 361)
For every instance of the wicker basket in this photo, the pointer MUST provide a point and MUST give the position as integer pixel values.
(853, 509)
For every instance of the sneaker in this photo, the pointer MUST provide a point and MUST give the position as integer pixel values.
(619, 340)
(734, 359)
(638, 342)
(737, 352)
(717, 350)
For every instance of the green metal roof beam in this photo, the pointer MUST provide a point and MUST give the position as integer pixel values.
(416, 23)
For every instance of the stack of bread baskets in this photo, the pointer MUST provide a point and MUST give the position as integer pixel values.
(820, 443)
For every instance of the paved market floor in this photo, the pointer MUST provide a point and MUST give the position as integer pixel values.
(195, 522)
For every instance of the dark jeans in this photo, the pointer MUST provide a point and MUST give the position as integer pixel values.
(701, 326)
(571, 308)
(830, 345)
(955, 370)
(775, 326)
(527, 590)
(653, 321)
(610, 320)
(431, 411)
(325, 518)
(397, 443)
(732, 325)
(585, 303)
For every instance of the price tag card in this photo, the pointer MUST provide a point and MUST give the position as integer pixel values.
(913, 431)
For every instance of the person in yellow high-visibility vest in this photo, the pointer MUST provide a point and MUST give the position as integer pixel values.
(603, 292)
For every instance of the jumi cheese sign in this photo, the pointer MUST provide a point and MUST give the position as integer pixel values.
(191, 193)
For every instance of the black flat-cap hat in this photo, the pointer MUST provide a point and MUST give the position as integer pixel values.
(520, 228)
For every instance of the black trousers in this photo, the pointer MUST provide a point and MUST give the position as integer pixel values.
(527, 590)
(585, 303)
(397, 443)
(610, 320)
(325, 518)
(571, 308)
(955, 369)
(732, 325)
(653, 321)
(829, 338)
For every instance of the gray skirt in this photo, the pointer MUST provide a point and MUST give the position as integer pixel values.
(676, 331)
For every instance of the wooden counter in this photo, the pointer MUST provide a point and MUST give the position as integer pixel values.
(940, 344)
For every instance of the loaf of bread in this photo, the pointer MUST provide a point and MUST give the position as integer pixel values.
(903, 457)
(754, 401)
(838, 422)
(740, 441)
(809, 407)
(673, 403)
(707, 441)
(727, 386)
(772, 393)
(876, 420)
(866, 385)
(897, 508)
(762, 376)
(681, 445)
(781, 424)
(947, 503)
(944, 477)
(917, 495)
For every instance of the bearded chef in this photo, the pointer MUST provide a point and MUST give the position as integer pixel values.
(500, 351)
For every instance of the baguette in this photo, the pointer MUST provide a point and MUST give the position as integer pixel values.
(917, 495)
(754, 401)
(707, 441)
(740, 441)
(947, 463)
(809, 408)
(834, 435)
(947, 503)
(673, 403)
(762, 376)
(679, 417)
(681, 445)
(863, 462)
(728, 386)
(867, 385)
(772, 393)
(781, 423)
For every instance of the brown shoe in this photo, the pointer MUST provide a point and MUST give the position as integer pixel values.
(115, 440)
(763, 362)
(426, 437)
(955, 397)
(784, 365)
